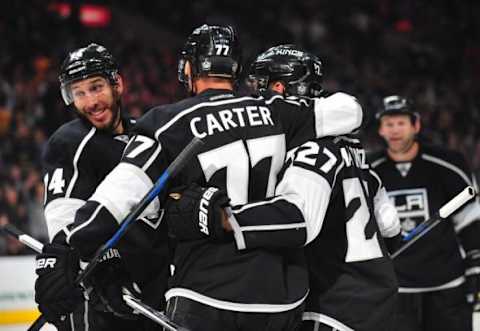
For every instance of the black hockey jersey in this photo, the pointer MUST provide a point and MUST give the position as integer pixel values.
(245, 142)
(329, 199)
(77, 158)
(418, 189)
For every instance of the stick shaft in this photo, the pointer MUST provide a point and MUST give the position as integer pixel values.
(445, 211)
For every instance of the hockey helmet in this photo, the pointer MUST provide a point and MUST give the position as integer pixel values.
(301, 72)
(85, 62)
(212, 51)
(395, 104)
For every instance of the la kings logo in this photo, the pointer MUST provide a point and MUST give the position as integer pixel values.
(412, 207)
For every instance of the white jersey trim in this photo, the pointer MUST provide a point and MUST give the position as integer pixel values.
(338, 114)
(448, 165)
(197, 106)
(81, 226)
(468, 215)
(78, 152)
(376, 163)
(59, 213)
(232, 306)
(124, 187)
(310, 193)
(324, 319)
(454, 283)
(273, 227)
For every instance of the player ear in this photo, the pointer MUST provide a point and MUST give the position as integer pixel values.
(417, 126)
(277, 87)
(119, 86)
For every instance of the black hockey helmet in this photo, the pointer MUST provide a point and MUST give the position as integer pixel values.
(85, 62)
(212, 51)
(301, 72)
(395, 104)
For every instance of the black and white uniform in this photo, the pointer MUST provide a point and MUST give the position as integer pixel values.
(77, 158)
(245, 143)
(433, 266)
(330, 200)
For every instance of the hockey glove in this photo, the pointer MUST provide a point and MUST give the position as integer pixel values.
(109, 280)
(197, 212)
(472, 273)
(55, 291)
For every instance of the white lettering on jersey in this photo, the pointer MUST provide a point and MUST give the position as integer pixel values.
(230, 118)
(358, 157)
(57, 182)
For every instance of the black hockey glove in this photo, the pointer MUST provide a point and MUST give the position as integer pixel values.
(196, 212)
(472, 273)
(55, 291)
(109, 280)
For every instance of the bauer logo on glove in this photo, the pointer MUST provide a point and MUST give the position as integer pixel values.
(196, 212)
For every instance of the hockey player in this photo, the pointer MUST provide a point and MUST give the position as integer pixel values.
(77, 157)
(328, 199)
(215, 287)
(419, 180)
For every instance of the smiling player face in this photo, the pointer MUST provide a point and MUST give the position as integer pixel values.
(98, 101)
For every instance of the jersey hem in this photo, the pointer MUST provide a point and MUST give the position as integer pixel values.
(233, 306)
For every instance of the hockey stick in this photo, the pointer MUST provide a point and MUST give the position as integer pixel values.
(445, 211)
(178, 163)
(23, 238)
(130, 300)
(151, 313)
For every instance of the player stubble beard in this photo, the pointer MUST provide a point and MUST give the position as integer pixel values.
(115, 108)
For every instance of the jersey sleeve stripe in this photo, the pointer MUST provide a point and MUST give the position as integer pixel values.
(376, 163)
(197, 106)
(78, 153)
(60, 213)
(273, 227)
(448, 165)
(152, 157)
(310, 193)
(237, 233)
(83, 225)
(467, 216)
(127, 184)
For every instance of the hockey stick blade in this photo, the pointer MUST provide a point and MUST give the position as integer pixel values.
(444, 212)
(151, 313)
(174, 168)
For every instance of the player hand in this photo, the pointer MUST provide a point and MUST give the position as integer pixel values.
(108, 281)
(196, 212)
(55, 291)
(472, 273)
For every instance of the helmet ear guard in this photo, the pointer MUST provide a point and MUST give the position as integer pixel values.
(93, 60)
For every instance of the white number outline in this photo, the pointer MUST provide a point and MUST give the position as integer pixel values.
(222, 49)
(239, 158)
(145, 143)
(359, 247)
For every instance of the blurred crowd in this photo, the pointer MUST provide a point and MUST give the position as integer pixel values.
(428, 51)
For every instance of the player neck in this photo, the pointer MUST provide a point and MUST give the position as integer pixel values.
(207, 83)
(405, 155)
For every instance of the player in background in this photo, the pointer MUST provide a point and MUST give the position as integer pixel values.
(328, 199)
(419, 179)
(77, 157)
(214, 286)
